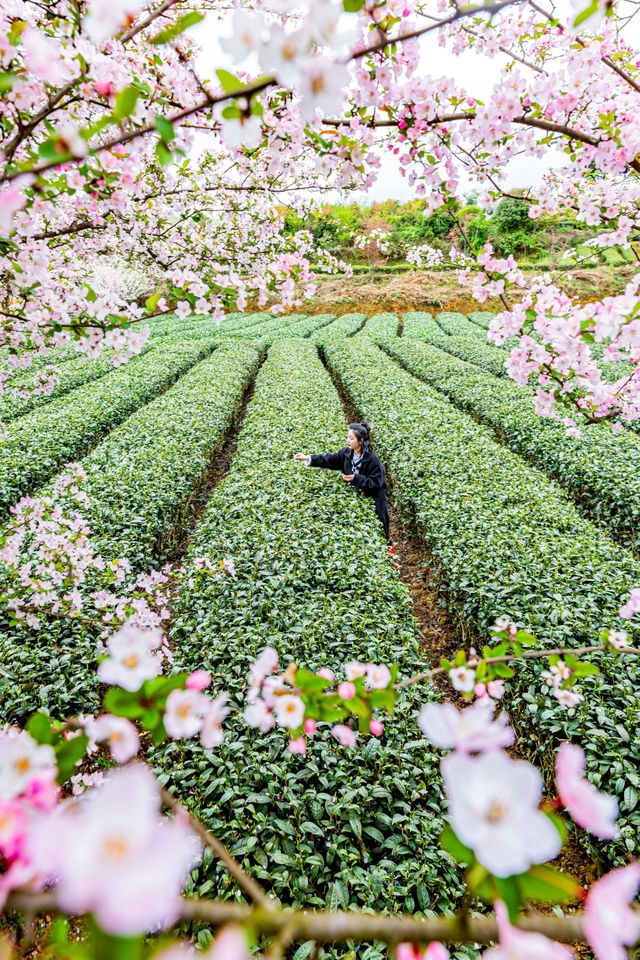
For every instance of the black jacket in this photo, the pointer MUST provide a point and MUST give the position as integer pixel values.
(370, 479)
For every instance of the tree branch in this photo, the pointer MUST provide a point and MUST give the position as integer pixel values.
(145, 23)
(339, 926)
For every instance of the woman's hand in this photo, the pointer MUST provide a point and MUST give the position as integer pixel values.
(347, 477)
(302, 456)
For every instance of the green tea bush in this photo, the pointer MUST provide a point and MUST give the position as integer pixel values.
(38, 444)
(507, 541)
(140, 482)
(314, 580)
(600, 470)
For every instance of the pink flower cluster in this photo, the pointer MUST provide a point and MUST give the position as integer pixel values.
(27, 788)
(111, 853)
(274, 699)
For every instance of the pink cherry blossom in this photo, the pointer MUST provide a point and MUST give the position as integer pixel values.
(355, 669)
(467, 731)
(198, 680)
(216, 711)
(184, 714)
(299, 745)
(133, 657)
(229, 944)
(326, 673)
(259, 715)
(592, 810)
(610, 922)
(493, 806)
(344, 734)
(414, 951)
(378, 676)
(112, 854)
(516, 944)
(462, 679)
(22, 760)
(346, 690)
(632, 606)
(376, 728)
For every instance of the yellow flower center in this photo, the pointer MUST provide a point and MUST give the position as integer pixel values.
(496, 812)
(115, 847)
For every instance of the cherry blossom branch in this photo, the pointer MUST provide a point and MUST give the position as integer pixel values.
(247, 91)
(64, 231)
(524, 655)
(139, 27)
(460, 13)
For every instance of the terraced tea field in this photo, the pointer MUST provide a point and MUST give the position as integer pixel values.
(188, 451)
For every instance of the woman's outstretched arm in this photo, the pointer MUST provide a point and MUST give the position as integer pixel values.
(330, 461)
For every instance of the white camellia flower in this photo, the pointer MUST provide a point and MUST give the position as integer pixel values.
(245, 131)
(321, 86)
(493, 805)
(466, 731)
(184, 713)
(247, 33)
(128, 666)
(21, 761)
(289, 710)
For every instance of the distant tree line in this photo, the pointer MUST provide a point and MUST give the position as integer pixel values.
(507, 225)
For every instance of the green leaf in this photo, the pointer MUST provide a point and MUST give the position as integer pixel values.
(449, 842)
(182, 23)
(125, 103)
(39, 727)
(548, 885)
(163, 154)
(7, 81)
(16, 31)
(586, 669)
(228, 81)
(558, 823)
(586, 13)
(123, 703)
(152, 302)
(352, 6)
(510, 894)
(164, 128)
(502, 670)
(68, 754)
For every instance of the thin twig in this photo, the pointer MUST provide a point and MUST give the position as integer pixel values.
(247, 883)
(525, 655)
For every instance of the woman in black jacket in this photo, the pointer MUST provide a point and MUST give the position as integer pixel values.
(358, 465)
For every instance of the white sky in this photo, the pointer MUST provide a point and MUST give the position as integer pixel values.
(475, 72)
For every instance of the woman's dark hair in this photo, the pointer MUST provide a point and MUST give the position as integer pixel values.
(362, 431)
